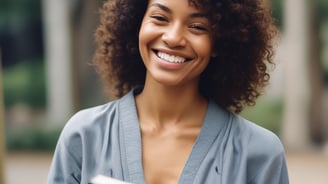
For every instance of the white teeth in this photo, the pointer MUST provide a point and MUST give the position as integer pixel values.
(171, 58)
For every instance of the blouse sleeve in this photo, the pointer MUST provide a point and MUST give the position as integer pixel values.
(267, 163)
(273, 171)
(67, 160)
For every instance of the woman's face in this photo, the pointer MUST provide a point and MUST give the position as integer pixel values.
(175, 42)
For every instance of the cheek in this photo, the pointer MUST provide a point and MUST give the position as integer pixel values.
(145, 37)
(142, 42)
(141, 36)
(146, 32)
(203, 47)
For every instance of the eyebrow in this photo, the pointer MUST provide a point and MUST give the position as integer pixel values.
(164, 8)
(168, 10)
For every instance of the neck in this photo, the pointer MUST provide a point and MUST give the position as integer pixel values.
(161, 104)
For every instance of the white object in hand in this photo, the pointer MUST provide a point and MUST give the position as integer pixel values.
(100, 179)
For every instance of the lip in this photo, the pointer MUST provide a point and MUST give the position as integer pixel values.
(169, 65)
(173, 53)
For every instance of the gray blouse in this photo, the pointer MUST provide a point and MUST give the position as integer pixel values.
(106, 140)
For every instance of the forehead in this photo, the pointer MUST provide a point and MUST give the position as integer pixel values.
(195, 4)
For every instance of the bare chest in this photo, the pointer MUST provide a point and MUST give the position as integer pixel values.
(164, 156)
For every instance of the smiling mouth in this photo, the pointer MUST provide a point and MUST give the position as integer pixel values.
(171, 58)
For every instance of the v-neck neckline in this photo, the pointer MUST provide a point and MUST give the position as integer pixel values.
(131, 148)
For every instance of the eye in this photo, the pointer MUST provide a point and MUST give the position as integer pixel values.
(159, 18)
(198, 27)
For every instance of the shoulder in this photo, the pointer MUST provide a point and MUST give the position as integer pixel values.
(249, 151)
(91, 117)
(92, 122)
(258, 139)
(265, 154)
(97, 120)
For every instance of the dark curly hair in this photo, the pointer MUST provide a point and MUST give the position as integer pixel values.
(244, 35)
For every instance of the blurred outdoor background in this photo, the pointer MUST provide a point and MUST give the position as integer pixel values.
(46, 47)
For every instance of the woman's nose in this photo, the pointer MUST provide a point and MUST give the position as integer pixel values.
(174, 36)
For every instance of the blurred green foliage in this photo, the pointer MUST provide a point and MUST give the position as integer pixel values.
(277, 12)
(32, 138)
(322, 7)
(19, 12)
(25, 83)
(267, 113)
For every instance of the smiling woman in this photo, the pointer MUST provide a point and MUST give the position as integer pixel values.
(242, 33)
(181, 70)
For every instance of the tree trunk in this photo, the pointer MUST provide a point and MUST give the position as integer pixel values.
(57, 31)
(295, 131)
(87, 83)
(316, 78)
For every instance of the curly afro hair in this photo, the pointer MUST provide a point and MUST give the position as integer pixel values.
(244, 35)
